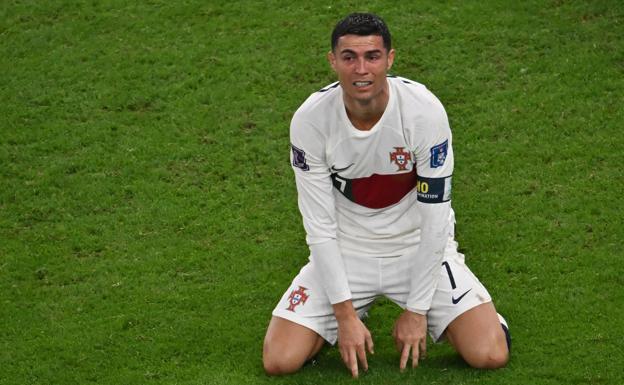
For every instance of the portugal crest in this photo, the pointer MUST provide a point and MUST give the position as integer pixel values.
(400, 158)
(297, 297)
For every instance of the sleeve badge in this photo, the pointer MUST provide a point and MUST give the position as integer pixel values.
(438, 154)
(298, 158)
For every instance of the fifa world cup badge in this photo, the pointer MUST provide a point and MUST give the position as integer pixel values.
(297, 297)
(438, 154)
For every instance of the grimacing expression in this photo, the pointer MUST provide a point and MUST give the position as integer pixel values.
(361, 63)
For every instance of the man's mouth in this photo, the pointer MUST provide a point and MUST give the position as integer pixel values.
(362, 84)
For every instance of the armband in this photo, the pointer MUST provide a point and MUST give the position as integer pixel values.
(433, 190)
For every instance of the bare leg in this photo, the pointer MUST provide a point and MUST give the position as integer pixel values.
(287, 346)
(478, 337)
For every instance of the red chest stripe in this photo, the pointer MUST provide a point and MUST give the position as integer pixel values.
(376, 191)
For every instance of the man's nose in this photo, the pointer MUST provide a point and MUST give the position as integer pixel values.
(360, 66)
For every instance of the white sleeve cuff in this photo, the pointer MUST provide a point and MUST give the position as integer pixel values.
(417, 310)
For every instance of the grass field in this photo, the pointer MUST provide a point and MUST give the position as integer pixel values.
(148, 217)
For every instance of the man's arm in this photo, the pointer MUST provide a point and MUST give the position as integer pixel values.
(410, 332)
(433, 153)
(317, 207)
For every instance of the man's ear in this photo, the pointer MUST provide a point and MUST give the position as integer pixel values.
(331, 58)
(390, 59)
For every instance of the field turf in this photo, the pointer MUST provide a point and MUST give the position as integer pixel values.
(148, 217)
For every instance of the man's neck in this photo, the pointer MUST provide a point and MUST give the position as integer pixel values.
(364, 115)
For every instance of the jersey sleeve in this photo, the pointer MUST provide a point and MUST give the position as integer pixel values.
(316, 204)
(433, 153)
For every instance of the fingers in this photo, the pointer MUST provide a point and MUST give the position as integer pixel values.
(352, 364)
(353, 340)
(369, 343)
(410, 338)
(418, 351)
(361, 354)
(361, 349)
(404, 357)
(415, 354)
(349, 357)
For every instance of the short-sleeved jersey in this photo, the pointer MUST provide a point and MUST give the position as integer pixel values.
(361, 188)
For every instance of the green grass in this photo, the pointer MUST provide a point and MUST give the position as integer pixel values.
(148, 217)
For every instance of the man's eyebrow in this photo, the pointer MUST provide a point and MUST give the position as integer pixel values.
(350, 51)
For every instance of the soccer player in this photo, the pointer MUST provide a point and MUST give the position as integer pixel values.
(373, 161)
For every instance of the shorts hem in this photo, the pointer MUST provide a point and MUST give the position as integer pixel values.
(305, 322)
(437, 334)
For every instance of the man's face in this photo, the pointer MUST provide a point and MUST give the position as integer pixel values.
(361, 63)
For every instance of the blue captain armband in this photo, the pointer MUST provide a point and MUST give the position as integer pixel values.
(434, 190)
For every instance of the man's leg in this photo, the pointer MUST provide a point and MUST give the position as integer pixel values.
(479, 337)
(304, 318)
(462, 311)
(287, 346)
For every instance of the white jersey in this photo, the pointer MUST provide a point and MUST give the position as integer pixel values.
(372, 193)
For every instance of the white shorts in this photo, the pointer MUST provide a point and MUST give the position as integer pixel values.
(458, 291)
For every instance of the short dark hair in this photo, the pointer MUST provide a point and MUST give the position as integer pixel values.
(362, 24)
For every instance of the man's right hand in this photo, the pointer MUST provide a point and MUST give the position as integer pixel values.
(353, 337)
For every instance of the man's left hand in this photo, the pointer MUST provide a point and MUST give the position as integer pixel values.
(410, 335)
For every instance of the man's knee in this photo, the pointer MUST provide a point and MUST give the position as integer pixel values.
(489, 356)
(280, 364)
(287, 346)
